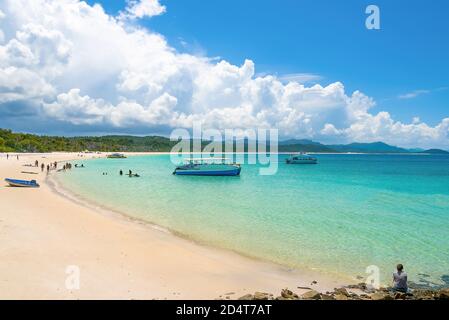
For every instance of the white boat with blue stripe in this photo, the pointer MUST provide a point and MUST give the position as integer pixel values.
(208, 167)
(22, 183)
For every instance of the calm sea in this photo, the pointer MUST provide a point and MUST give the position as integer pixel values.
(338, 217)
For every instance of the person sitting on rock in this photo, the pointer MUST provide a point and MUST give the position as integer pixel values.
(400, 279)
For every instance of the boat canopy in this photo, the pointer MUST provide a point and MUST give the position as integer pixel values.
(300, 153)
(206, 159)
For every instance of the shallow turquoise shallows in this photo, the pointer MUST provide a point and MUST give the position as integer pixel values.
(340, 216)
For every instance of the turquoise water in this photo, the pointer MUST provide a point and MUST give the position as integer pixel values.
(340, 216)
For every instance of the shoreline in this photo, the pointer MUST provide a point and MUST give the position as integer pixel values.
(108, 212)
(176, 268)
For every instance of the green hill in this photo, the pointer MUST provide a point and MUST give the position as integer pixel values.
(305, 148)
(20, 142)
(23, 142)
(435, 151)
(375, 147)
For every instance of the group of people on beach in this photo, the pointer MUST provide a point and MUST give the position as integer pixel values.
(67, 166)
(50, 166)
(7, 156)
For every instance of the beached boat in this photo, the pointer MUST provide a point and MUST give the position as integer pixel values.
(116, 156)
(208, 167)
(301, 158)
(22, 183)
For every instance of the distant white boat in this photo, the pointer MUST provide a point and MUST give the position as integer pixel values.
(302, 158)
(116, 156)
(208, 167)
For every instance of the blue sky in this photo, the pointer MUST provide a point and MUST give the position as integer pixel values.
(328, 38)
(310, 69)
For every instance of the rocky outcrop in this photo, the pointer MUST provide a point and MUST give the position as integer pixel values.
(443, 294)
(379, 295)
(262, 296)
(247, 297)
(257, 296)
(340, 296)
(311, 295)
(423, 294)
(348, 293)
(288, 294)
(341, 291)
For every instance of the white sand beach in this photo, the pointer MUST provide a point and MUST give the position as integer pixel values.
(43, 233)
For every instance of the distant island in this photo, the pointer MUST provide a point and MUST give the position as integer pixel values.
(373, 147)
(435, 151)
(24, 142)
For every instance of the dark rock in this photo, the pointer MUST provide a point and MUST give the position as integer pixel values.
(380, 296)
(344, 294)
(247, 297)
(400, 296)
(305, 288)
(340, 296)
(327, 297)
(288, 294)
(443, 294)
(353, 295)
(261, 296)
(361, 286)
(423, 294)
(311, 295)
(342, 291)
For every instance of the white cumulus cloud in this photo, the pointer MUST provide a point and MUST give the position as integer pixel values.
(79, 65)
(137, 9)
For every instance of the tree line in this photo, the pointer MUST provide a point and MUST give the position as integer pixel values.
(24, 142)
